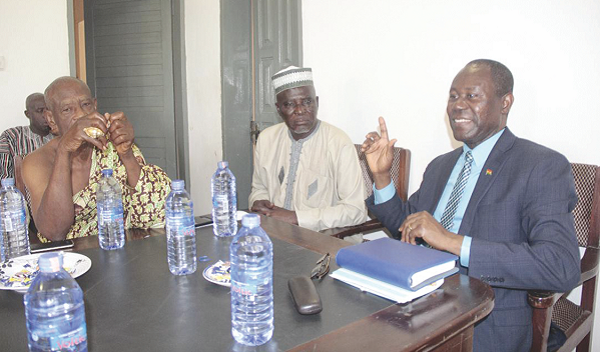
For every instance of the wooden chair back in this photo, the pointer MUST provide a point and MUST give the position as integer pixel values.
(576, 320)
(400, 175)
(400, 171)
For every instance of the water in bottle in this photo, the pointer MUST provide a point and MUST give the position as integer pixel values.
(54, 309)
(251, 255)
(13, 224)
(109, 203)
(181, 234)
(224, 201)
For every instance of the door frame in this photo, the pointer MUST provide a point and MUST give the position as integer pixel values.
(77, 48)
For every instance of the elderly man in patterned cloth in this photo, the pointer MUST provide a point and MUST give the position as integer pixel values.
(306, 171)
(62, 176)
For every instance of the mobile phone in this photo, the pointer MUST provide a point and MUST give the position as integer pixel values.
(51, 246)
(203, 220)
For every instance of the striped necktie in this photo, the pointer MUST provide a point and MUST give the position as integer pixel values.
(457, 192)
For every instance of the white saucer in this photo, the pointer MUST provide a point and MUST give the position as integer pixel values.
(219, 273)
(18, 273)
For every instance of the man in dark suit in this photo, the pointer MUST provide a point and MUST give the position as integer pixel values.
(501, 203)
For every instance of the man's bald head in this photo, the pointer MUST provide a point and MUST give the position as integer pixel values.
(501, 75)
(63, 83)
(31, 99)
(67, 99)
(34, 110)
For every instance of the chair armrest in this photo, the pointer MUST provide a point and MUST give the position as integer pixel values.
(341, 232)
(542, 299)
(589, 264)
(589, 269)
(542, 302)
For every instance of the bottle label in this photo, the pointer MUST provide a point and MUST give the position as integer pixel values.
(7, 224)
(65, 342)
(187, 230)
(110, 216)
(11, 220)
(182, 230)
(243, 288)
(221, 200)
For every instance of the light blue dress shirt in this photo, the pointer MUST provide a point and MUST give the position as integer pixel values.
(480, 155)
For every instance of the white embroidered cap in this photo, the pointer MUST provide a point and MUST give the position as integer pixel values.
(292, 77)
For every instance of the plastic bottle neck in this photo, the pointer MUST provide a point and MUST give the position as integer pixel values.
(52, 265)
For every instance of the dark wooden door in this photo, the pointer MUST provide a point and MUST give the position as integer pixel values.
(129, 68)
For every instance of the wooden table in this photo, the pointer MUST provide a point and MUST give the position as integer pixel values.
(134, 303)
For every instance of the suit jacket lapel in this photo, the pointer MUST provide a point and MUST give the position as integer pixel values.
(494, 162)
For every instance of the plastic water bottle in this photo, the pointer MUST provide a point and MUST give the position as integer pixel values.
(13, 211)
(54, 309)
(251, 255)
(109, 203)
(181, 234)
(224, 200)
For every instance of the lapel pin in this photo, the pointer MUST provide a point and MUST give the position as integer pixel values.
(488, 171)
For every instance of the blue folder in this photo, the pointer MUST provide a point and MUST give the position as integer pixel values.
(398, 263)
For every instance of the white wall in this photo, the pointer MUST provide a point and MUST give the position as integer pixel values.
(397, 59)
(202, 42)
(34, 44)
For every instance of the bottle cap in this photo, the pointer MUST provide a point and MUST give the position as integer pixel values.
(222, 164)
(50, 262)
(107, 172)
(177, 184)
(8, 182)
(251, 220)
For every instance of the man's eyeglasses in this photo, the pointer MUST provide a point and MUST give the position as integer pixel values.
(322, 267)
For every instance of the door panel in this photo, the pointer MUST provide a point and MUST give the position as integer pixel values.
(278, 44)
(237, 93)
(247, 91)
(129, 68)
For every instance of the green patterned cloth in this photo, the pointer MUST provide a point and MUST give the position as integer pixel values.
(143, 206)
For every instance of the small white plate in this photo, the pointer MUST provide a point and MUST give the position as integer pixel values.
(18, 273)
(219, 273)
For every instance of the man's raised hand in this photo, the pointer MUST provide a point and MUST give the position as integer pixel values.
(379, 151)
